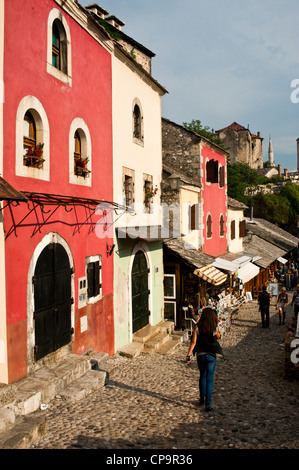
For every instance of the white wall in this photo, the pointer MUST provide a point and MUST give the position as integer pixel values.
(143, 159)
(236, 245)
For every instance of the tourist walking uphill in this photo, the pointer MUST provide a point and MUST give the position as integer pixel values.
(205, 345)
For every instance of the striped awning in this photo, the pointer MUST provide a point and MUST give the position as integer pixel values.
(211, 274)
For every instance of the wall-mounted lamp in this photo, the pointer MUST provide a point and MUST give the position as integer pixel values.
(174, 181)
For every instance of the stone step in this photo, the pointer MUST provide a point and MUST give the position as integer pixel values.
(145, 334)
(82, 387)
(131, 349)
(157, 341)
(169, 347)
(25, 432)
(41, 387)
(102, 362)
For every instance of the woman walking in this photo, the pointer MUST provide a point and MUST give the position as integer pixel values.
(204, 343)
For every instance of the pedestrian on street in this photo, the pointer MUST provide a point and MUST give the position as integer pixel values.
(205, 344)
(281, 304)
(295, 302)
(264, 303)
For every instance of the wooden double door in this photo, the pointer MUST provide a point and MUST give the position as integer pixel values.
(52, 300)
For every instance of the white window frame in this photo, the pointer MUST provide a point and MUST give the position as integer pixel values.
(174, 303)
(32, 104)
(138, 141)
(66, 78)
(93, 259)
(174, 286)
(79, 124)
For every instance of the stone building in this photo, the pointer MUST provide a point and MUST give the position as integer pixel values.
(244, 146)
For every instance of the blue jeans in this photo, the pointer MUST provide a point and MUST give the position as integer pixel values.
(206, 364)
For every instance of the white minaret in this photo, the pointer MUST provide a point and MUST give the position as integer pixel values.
(271, 154)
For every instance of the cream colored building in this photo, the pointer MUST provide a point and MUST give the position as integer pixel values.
(137, 166)
(236, 225)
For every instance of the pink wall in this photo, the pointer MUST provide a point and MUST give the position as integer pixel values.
(214, 202)
(89, 98)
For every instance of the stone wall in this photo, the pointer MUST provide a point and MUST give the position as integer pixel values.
(181, 150)
(243, 147)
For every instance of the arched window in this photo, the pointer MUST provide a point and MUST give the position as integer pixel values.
(137, 123)
(32, 140)
(77, 153)
(56, 62)
(209, 226)
(29, 131)
(59, 47)
(33, 155)
(80, 153)
(222, 231)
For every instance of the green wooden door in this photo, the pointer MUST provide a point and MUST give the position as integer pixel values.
(140, 292)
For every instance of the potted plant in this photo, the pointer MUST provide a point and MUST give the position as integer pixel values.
(150, 192)
(80, 168)
(33, 156)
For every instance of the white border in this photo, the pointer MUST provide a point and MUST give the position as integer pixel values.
(140, 245)
(42, 136)
(80, 124)
(56, 14)
(93, 259)
(51, 237)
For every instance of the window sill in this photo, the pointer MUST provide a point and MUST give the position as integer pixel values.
(67, 79)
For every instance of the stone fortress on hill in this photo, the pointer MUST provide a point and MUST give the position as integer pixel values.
(246, 147)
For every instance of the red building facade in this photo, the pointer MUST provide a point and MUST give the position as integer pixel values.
(57, 151)
(214, 199)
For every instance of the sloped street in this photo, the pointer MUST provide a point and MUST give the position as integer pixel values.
(151, 401)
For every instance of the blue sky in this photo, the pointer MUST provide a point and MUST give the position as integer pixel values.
(223, 61)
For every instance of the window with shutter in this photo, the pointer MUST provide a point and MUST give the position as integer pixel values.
(222, 226)
(221, 176)
(212, 171)
(94, 286)
(194, 217)
(209, 226)
(242, 228)
(233, 230)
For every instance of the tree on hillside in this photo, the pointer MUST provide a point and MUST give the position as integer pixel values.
(239, 177)
(196, 126)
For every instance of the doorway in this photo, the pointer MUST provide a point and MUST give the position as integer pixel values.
(140, 292)
(52, 300)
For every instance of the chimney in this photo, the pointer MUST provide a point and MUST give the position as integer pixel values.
(115, 22)
(259, 134)
(285, 173)
(279, 170)
(97, 10)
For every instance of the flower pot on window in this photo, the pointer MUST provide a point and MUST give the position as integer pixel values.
(33, 157)
(80, 168)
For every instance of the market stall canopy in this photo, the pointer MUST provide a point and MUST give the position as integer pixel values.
(282, 260)
(247, 272)
(211, 274)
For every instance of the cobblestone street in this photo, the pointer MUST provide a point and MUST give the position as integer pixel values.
(151, 402)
